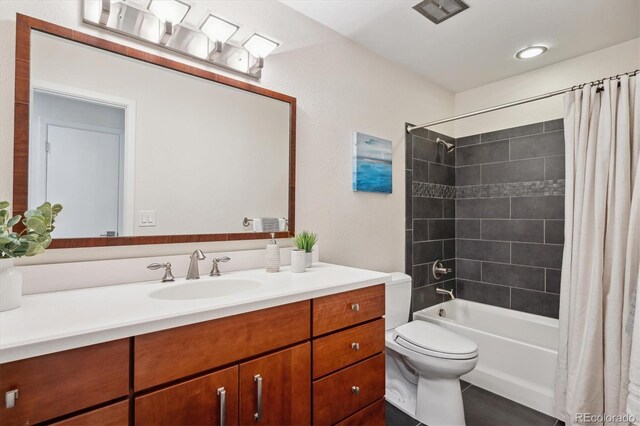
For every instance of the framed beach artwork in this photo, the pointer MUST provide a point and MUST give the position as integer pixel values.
(371, 164)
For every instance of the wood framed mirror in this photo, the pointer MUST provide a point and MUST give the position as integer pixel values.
(187, 165)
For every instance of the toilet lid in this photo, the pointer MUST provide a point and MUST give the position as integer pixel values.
(434, 338)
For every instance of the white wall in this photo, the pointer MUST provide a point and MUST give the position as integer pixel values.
(614, 60)
(340, 86)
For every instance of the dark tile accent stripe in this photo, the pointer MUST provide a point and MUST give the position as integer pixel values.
(432, 190)
(517, 189)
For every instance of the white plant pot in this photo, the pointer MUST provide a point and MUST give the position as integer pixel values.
(308, 259)
(10, 286)
(298, 261)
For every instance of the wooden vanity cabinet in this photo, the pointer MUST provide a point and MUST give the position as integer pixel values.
(112, 415)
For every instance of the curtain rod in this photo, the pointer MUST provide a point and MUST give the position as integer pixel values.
(411, 128)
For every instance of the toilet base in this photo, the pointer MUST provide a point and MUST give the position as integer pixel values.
(439, 402)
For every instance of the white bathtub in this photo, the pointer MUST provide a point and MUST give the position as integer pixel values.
(517, 350)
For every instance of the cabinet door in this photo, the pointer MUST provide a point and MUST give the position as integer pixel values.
(111, 415)
(208, 400)
(276, 389)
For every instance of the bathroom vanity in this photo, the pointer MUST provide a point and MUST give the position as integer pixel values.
(316, 359)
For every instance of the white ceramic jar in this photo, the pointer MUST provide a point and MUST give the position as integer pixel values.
(298, 260)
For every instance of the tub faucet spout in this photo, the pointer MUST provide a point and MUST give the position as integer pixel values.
(445, 291)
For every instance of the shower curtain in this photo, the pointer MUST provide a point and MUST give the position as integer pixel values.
(597, 374)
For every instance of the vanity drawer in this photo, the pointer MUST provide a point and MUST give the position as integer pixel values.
(111, 415)
(338, 350)
(343, 393)
(344, 309)
(168, 355)
(60, 383)
(373, 415)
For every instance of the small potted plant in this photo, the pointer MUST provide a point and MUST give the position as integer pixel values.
(32, 240)
(305, 241)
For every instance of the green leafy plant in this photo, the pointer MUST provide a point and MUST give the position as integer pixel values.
(305, 241)
(36, 235)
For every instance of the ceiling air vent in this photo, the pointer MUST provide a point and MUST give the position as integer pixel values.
(440, 10)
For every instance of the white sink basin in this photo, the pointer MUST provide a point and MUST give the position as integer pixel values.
(205, 289)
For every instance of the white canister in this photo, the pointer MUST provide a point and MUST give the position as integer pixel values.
(308, 259)
(10, 286)
(298, 260)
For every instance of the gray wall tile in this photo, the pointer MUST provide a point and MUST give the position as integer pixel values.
(421, 275)
(483, 208)
(449, 249)
(427, 207)
(420, 230)
(426, 252)
(535, 302)
(492, 251)
(468, 140)
(554, 167)
(424, 297)
(554, 231)
(513, 275)
(550, 126)
(408, 199)
(408, 252)
(469, 175)
(543, 207)
(420, 171)
(469, 269)
(513, 132)
(553, 280)
(408, 151)
(543, 255)
(442, 229)
(468, 229)
(541, 145)
(443, 175)
(449, 209)
(513, 230)
(514, 171)
(483, 153)
(424, 149)
(490, 294)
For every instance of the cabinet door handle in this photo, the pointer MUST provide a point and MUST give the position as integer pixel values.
(355, 307)
(355, 390)
(355, 346)
(10, 398)
(223, 405)
(258, 379)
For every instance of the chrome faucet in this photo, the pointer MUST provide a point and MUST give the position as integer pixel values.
(215, 272)
(447, 292)
(193, 273)
(168, 275)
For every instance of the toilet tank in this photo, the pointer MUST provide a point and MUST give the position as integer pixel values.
(397, 300)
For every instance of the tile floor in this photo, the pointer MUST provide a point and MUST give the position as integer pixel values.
(483, 408)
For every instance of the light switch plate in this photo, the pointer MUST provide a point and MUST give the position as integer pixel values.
(147, 218)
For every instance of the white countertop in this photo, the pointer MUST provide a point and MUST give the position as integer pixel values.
(56, 321)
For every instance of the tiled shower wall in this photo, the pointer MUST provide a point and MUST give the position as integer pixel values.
(508, 188)
(430, 215)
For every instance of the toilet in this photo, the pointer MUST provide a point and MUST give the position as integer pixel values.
(424, 361)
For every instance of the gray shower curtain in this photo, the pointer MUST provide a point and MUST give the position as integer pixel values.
(601, 255)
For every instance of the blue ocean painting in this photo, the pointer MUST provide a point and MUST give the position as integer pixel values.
(371, 164)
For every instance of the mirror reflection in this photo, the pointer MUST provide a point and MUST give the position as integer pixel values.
(112, 139)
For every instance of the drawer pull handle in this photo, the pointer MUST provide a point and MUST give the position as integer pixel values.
(355, 390)
(355, 346)
(10, 398)
(223, 402)
(355, 307)
(258, 379)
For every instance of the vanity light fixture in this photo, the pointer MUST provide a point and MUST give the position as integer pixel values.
(160, 23)
(218, 31)
(260, 46)
(531, 52)
(172, 11)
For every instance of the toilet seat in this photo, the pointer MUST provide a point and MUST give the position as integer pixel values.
(433, 340)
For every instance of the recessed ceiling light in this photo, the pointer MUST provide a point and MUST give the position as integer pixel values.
(531, 52)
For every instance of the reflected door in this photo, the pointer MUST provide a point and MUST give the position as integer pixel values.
(83, 174)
